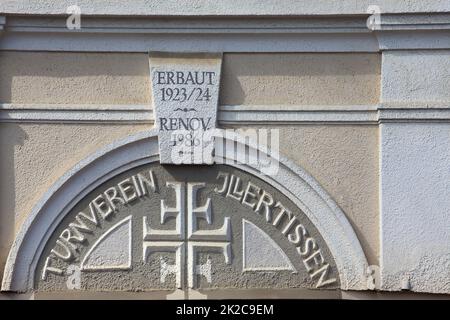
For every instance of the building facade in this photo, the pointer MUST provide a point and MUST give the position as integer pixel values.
(324, 173)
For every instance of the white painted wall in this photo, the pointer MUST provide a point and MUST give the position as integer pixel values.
(416, 78)
(415, 206)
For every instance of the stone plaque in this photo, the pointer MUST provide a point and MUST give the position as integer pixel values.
(185, 91)
(173, 227)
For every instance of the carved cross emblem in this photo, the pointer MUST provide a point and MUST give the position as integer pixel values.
(186, 239)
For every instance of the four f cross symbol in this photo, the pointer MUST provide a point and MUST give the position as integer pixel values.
(186, 239)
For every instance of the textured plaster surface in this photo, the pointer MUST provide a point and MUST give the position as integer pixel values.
(415, 197)
(416, 77)
(300, 79)
(74, 78)
(112, 250)
(145, 275)
(194, 99)
(414, 186)
(247, 79)
(34, 156)
(301, 188)
(212, 7)
(261, 252)
(344, 160)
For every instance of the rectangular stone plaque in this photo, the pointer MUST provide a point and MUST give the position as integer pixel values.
(185, 91)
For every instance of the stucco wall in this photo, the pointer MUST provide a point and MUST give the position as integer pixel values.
(300, 79)
(34, 156)
(342, 158)
(248, 79)
(378, 68)
(73, 78)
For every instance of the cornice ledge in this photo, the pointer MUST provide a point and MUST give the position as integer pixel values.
(417, 31)
(415, 21)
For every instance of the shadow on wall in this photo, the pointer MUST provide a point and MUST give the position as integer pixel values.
(300, 79)
(12, 137)
(74, 77)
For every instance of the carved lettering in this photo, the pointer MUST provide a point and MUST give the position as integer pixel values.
(284, 220)
(265, 201)
(49, 269)
(185, 77)
(147, 184)
(225, 177)
(68, 245)
(187, 124)
(187, 231)
(323, 272)
(233, 189)
(66, 255)
(250, 194)
(127, 190)
(112, 196)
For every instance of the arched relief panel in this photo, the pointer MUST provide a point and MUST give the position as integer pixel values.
(202, 227)
(121, 221)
